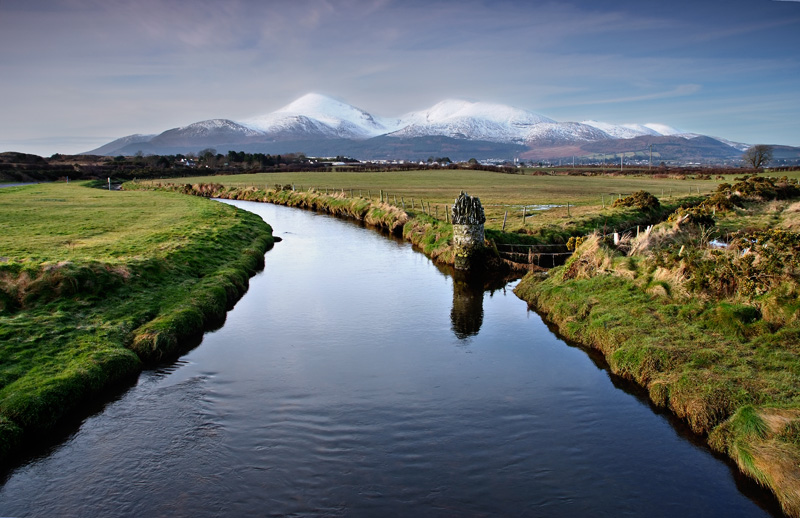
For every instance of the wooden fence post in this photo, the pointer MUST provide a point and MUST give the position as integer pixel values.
(504, 222)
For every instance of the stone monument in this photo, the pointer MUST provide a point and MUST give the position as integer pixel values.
(468, 237)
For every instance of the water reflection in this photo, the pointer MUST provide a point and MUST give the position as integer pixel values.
(466, 314)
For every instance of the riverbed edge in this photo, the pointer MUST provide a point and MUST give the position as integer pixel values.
(761, 455)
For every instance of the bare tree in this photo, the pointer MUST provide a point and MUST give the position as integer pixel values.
(758, 156)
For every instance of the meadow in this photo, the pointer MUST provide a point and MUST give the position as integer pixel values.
(95, 284)
(542, 199)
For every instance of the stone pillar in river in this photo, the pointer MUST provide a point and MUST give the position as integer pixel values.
(468, 220)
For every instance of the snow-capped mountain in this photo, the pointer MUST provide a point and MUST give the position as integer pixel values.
(317, 124)
(621, 130)
(471, 120)
(564, 133)
(318, 114)
(637, 130)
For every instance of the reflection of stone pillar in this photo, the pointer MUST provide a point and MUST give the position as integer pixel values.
(468, 237)
(467, 313)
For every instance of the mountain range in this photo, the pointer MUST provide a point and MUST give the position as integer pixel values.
(318, 125)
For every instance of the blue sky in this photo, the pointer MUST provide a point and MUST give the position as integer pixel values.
(79, 73)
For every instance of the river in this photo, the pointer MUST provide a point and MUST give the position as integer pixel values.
(356, 378)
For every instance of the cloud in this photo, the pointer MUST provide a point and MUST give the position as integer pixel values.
(678, 91)
(96, 67)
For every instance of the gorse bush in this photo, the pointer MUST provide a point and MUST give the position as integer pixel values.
(641, 200)
(699, 216)
(721, 201)
(753, 263)
(765, 188)
(574, 242)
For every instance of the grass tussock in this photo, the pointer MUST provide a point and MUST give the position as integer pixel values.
(96, 284)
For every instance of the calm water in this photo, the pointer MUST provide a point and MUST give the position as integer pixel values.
(355, 378)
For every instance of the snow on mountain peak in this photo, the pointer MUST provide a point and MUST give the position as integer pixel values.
(318, 116)
(451, 109)
(471, 120)
(336, 117)
(636, 130)
(619, 130)
(663, 129)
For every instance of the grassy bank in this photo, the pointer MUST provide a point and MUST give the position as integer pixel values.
(712, 333)
(432, 235)
(96, 284)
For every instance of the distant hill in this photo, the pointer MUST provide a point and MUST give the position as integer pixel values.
(321, 126)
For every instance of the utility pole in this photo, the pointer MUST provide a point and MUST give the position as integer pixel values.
(651, 156)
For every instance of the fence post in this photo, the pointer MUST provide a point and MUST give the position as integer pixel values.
(504, 221)
(523, 214)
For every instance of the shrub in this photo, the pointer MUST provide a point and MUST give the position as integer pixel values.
(764, 188)
(641, 200)
(699, 216)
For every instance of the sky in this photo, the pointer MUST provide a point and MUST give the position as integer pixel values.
(76, 74)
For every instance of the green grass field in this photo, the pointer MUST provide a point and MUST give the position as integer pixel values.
(87, 276)
(544, 198)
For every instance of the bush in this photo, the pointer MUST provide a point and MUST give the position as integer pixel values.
(641, 200)
(699, 216)
(764, 188)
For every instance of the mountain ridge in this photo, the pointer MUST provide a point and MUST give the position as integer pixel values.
(316, 122)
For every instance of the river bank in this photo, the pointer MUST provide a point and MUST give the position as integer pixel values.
(356, 377)
(432, 235)
(95, 285)
(429, 230)
(712, 334)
